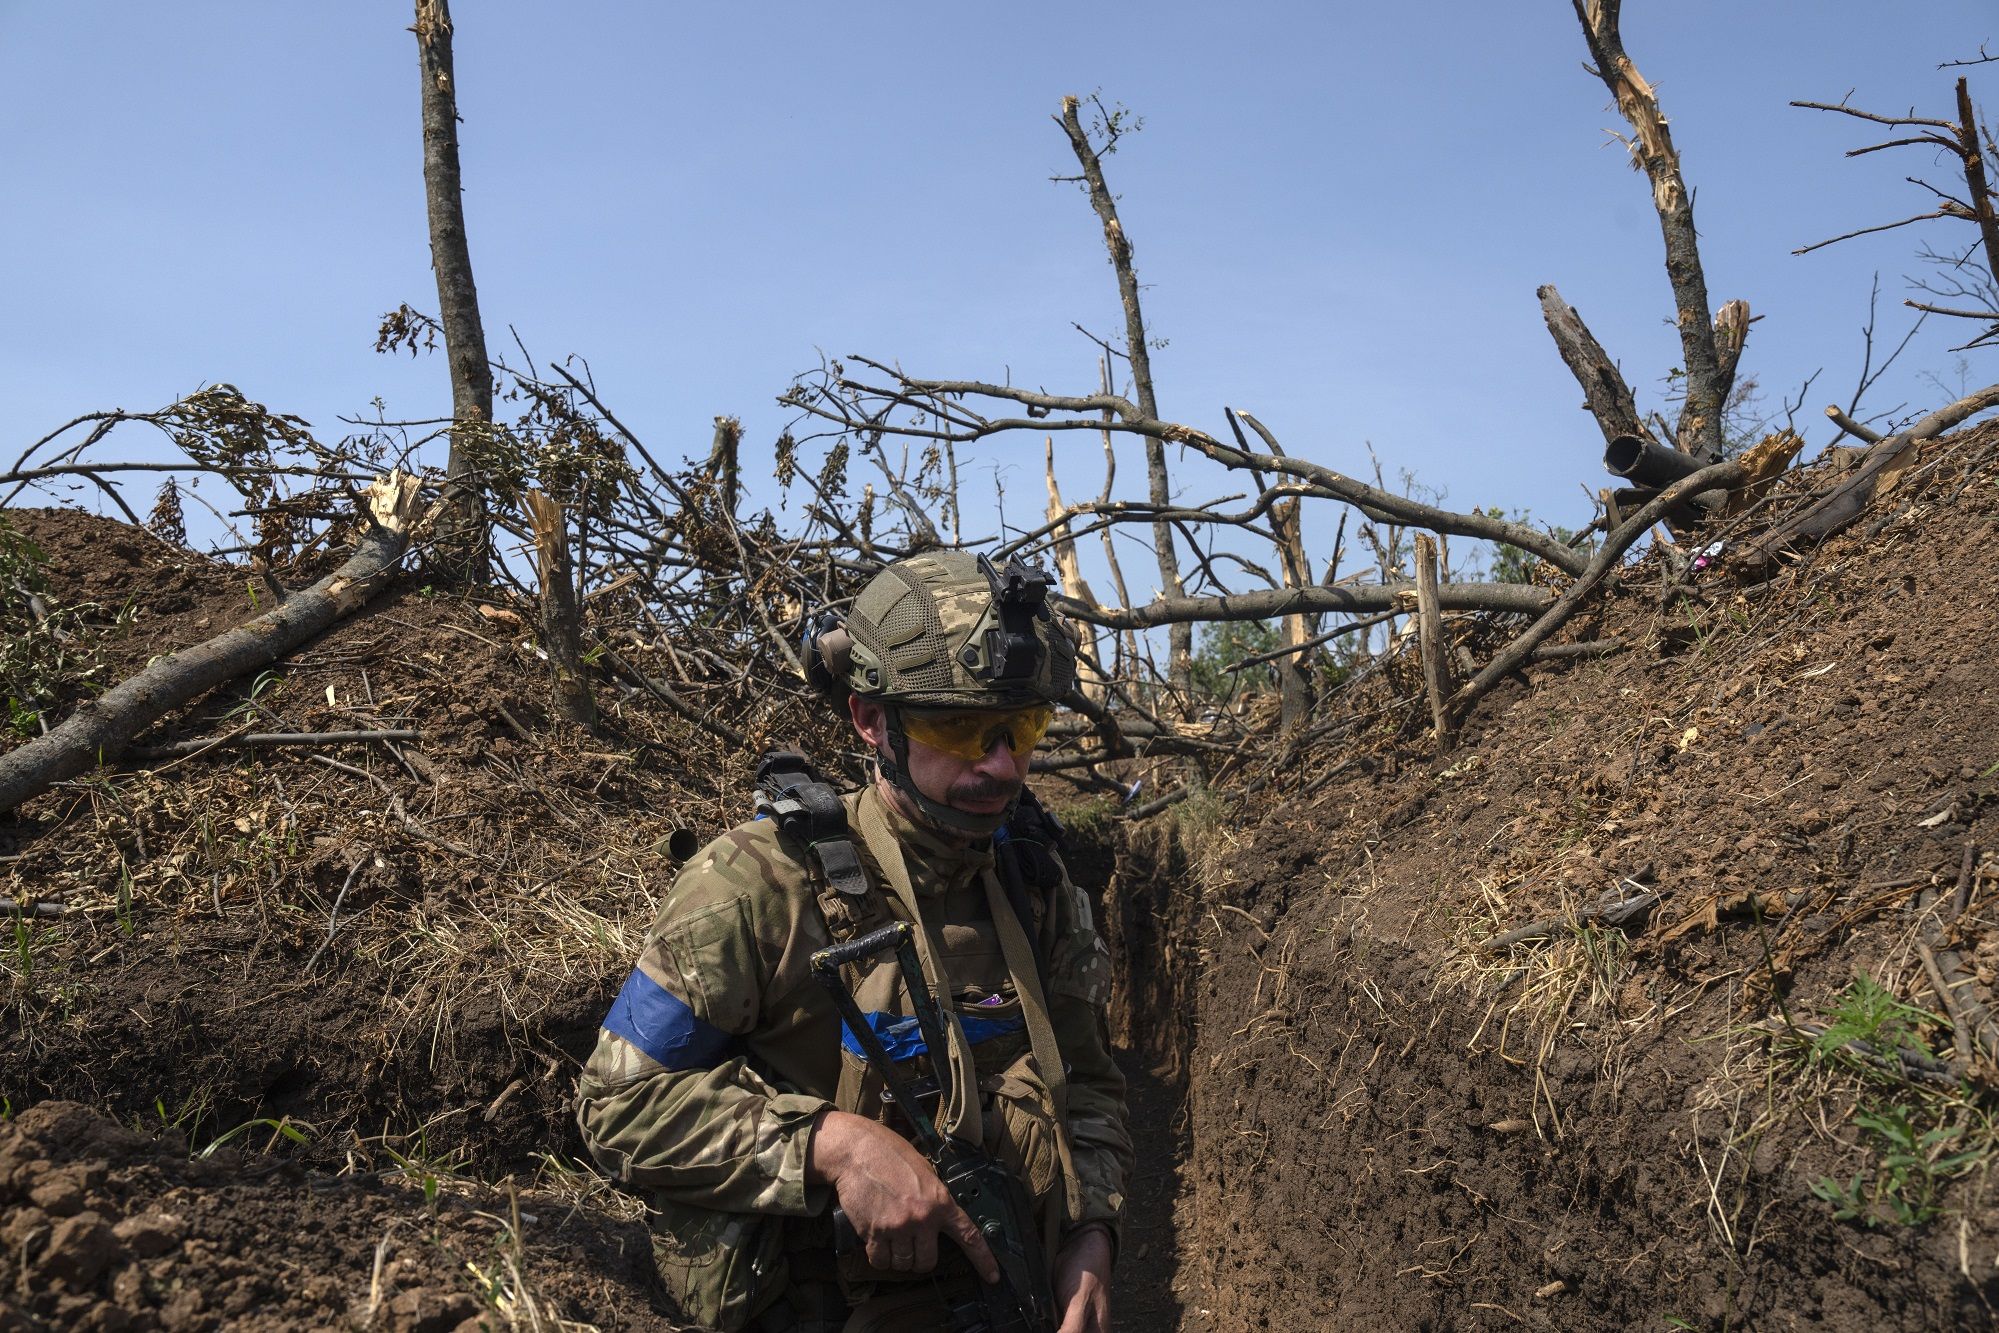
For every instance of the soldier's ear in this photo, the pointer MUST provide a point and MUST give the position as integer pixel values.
(869, 718)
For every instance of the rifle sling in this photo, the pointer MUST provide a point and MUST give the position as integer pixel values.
(963, 1112)
(959, 1116)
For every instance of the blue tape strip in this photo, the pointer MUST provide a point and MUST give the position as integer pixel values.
(902, 1038)
(658, 1022)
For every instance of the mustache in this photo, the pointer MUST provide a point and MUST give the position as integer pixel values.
(976, 787)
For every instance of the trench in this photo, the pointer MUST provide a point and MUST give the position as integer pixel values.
(1144, 882)
(1329, 1138)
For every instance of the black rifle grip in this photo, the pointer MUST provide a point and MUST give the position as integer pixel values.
(867, 946)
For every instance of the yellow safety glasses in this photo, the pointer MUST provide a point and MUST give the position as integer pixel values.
(972, 735)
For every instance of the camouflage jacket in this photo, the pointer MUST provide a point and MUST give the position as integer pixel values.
(722, 1047)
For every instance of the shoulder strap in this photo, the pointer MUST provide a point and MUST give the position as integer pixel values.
(811, 815)
(809, 811)
(960, 1118)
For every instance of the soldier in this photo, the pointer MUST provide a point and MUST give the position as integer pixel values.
(721, 1088)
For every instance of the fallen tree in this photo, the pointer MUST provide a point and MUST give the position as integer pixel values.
(99, 730)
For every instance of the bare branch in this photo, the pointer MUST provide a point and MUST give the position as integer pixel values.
(1508, 598)
(1868, 231)
(1845, 110)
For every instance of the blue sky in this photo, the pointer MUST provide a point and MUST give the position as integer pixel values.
(1341, 211)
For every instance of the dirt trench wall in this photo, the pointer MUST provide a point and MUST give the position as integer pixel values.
(1363, 1152)
(1607, 1128)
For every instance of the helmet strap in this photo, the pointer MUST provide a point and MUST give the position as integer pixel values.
(894, 766)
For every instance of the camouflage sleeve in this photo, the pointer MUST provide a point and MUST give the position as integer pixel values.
(1079, 979)
(668, 1101)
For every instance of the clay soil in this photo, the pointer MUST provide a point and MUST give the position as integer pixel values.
(291, 1035)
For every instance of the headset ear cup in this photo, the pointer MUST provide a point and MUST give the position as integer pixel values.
(828, 656)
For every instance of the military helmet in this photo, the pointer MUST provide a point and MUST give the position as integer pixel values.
(948, 629)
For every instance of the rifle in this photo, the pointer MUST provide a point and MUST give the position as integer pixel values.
(1022, 1301)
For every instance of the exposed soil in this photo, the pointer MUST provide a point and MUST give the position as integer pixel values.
(1610, 1129)
(114, 1230)
(365, 976)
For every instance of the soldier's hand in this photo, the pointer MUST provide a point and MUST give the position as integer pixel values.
(1083, 1282)
(891, 1196)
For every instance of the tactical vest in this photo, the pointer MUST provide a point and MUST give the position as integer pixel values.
(1016, 1115)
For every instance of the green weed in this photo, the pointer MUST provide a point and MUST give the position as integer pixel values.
(292, 1131)
(1915, 1139)
(23, 721)
(1870, 1012)
(262, 683)
(428, 1171)
(1910, 1167)
(123, 911)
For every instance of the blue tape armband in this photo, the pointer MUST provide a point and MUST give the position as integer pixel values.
(658, 1022)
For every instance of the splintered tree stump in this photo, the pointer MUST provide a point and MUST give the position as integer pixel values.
(1430, 642)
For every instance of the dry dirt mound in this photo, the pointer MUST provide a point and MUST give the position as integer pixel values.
(382, 963)
(405, 944)
(1402, 1118)
(397, 952)
(111, 1230)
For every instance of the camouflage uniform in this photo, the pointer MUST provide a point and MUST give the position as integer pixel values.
(721, 1049)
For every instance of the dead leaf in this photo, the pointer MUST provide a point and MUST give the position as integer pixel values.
(1708, 915)
(1513, 1126)
(1891, 472)
(500, 615)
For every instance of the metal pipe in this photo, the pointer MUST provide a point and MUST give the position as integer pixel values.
(1647, 462)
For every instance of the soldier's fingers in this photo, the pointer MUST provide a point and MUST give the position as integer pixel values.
(926, 1250)
(878, 1250)
(973, 1244)
(1088, 1312)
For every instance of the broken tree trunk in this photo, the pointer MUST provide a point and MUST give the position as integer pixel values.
(1294, 669)
(1069, 568)
(1710, 373)
(1978, 190)
(1430, 642)
(99, 730)
(1180, 638)
(561, 615)
(461, 535)
(1605, 393)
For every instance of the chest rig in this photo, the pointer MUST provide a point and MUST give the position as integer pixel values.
(1009, 1107)
(809, 811)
